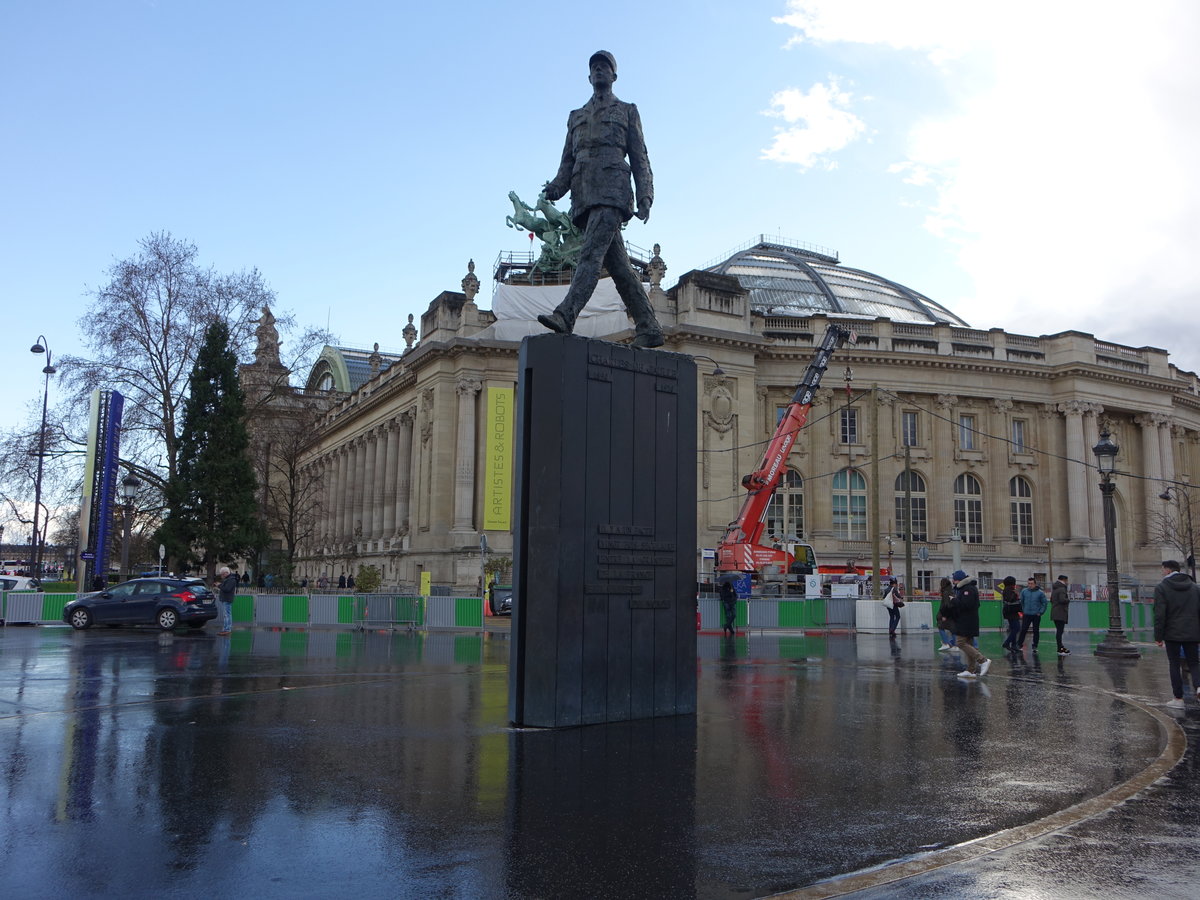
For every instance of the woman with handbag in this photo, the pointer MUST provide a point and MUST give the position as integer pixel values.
(892, 599)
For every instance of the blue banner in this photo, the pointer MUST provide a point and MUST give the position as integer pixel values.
(111, 455)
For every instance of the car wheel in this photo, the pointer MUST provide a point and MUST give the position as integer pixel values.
(167, 618)
(81, 619)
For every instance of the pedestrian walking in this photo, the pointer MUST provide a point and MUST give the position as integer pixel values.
(729, 606)
(225, 594)
(945, 623)
(1011, 610)
(965, 607)
(342, 581)
(1060, 599)
(892, 600)
(1033, 606)
(1177, 626)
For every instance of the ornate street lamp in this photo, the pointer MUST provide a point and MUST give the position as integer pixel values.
(42, 346)
(129, 489)
(1187, 504)
(1115, 644)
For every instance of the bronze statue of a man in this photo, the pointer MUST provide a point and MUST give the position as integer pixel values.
(600, 135)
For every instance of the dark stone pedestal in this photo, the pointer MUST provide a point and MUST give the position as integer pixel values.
(604, 617)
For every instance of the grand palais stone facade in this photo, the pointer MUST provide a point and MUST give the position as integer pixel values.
(400, 458)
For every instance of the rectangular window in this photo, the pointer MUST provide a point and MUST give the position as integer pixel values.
(1021, 519)
(850, 516)
(849, 426)
(1018, 436)
(920, 527)
(909, 436)
(785, 516)
(966, 432)
(968, 516)
(925, 580)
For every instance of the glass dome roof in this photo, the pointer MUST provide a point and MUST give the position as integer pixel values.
(786, 279)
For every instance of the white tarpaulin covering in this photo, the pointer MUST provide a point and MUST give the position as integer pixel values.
(517, 307)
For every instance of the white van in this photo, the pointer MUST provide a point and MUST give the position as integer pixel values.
(16, 583)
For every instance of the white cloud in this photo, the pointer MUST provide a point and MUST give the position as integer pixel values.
(1065, 169)
(819, 121)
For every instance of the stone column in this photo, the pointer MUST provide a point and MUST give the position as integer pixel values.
(358, 480)
(464, 456)
(404, 459)
(389, 480)
(1166, 444)
(370, 495)
(339, 495)
(1152, 460)
(1091, 437)
(375, 485)
(1077, 503)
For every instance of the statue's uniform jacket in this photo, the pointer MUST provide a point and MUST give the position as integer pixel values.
(600, 134)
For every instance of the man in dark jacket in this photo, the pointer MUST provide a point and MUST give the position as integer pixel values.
(226, 591)
(965, 606)
(1011, 610)
(1177, 626)
(1060, 599)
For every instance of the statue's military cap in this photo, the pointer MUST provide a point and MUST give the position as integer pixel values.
(604, 54)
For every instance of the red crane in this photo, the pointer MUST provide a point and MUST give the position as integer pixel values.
(741, 549)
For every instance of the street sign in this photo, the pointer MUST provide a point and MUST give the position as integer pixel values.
(88, 555)
(923, 554)
(162, 552)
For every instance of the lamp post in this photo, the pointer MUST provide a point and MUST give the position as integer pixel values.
(1050, 558)
(717, 370)
(129, 489)
(1115, 644)
(42, 346)
(1187, 504)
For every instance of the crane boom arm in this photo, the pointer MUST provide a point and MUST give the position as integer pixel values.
(745, 532)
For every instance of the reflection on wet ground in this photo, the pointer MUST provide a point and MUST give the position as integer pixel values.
(313, 763)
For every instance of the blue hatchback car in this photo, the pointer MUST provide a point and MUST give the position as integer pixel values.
(165, 602)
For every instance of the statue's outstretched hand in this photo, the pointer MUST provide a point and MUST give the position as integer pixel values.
(552, 191)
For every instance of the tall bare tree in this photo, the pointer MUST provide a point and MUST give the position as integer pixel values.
(292, 492)
(143, 329)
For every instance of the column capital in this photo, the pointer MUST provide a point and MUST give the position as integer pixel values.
(468, 386)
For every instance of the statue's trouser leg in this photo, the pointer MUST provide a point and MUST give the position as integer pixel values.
(629, 286)
(602, 230)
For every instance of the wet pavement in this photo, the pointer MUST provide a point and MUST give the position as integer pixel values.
(321, 763)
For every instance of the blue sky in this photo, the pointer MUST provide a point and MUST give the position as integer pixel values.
(1029, 165)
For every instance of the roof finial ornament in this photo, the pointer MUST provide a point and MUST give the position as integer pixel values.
(656, 268)
(410, 334)
(470, 284)
(375, 361)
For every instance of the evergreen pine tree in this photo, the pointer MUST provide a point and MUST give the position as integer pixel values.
(213, 513)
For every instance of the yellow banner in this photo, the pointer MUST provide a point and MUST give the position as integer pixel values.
(426, 583)
(497, 490)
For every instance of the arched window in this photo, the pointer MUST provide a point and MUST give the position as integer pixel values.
(326, 382)
(850, 505)
(1020, 509)
(968, 508)
(916, 491)
(785, 514)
